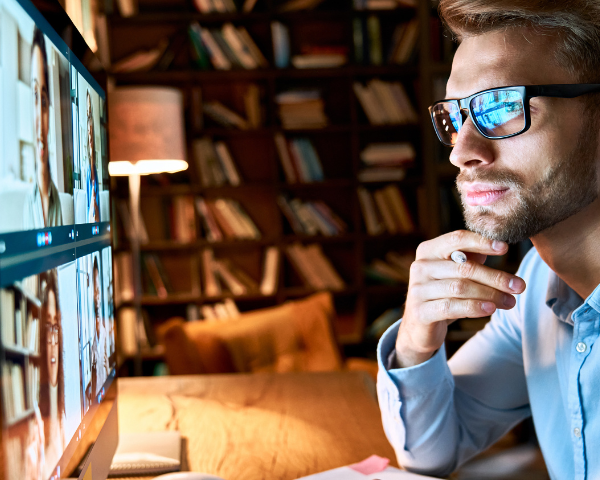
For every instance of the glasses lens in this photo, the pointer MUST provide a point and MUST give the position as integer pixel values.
(447, 121)
(499, 113)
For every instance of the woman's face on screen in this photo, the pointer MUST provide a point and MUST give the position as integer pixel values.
(52, 324)
(40, 103)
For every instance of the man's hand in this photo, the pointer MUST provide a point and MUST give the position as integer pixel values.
(441, 291)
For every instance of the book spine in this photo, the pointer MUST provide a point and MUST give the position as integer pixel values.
(287, 211)
(369, 212)
(268, 284)
(386, 211)
(211, 286)
(227, 164)
(285, 158)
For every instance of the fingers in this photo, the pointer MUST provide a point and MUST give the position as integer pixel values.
(463, 289)
(464, 240)
(453, 308)
(424, 271)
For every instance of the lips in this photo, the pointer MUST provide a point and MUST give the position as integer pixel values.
(480, 194)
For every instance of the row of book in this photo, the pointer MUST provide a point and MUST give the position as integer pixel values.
(225, 218)
(220, 274)
(181, 226)
(299, 160)
(368, 44)
(311, 217)
(224, 6)
(216, 312)
(300, 109)
(384, 210)
(382, 323)
(385, 103)
(19, 327)
(393, 269)
(215, 163)
(13, 388)
(226, 48)
(385, 161)
(313, 267)
(229, 118)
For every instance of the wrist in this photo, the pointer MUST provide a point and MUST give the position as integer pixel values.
(408, 352)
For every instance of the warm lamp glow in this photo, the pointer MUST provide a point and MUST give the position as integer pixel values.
(147, 131)
(146, 167)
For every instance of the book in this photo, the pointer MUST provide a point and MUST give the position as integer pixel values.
(212, 288)
(226, 48)
(248, 6)
(225, 116)
(289, 214)
(281, 44)
(124, 288)
(252, 105)
(256, 53)
(319, 60)
(369, 212)
(227, 163)
(268, 284)
(7, 316)
(405, 45)
(248, 282)
(374, 33)
(207, 163)
(369, 103)
(148, 453)
(201, 54)
(393, 113)
(324, 268)
(184, 219)
(301, 264)
(211, 229)
(227, 278)
(388, 154)
(400, 210)
(238, 46)
(142, 60)
(285, 158)
(385, 208)
(124, 212)
(301, 109)
(221, 221)
(217, 57)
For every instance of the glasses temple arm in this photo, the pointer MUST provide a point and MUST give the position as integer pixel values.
(561, 91)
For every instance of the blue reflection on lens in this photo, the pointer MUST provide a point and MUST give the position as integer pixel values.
(499, 113)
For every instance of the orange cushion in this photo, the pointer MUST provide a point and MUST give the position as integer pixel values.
(295, 336)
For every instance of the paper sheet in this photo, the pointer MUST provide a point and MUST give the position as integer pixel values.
(346, 473)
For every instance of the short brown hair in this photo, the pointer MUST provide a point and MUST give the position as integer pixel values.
(575, 22)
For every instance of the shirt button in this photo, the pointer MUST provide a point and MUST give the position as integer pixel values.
(581, 347)
(577, 432)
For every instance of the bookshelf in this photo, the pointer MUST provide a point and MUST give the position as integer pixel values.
(339, 144)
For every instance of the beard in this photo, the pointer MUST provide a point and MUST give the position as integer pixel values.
(564, 190)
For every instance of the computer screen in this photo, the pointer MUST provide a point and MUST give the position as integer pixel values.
(58, 352)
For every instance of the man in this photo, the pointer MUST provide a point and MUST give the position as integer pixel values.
(42, 205)
(99, 355)
(537, 356)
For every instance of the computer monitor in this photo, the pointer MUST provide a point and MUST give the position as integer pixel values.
(57, 335)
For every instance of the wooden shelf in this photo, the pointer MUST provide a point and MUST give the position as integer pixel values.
(339, 145)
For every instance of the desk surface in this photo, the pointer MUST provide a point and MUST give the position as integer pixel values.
(261, 426)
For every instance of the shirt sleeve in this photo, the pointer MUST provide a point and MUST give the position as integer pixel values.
(440, 413)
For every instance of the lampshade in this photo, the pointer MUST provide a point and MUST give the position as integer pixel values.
(146, 129)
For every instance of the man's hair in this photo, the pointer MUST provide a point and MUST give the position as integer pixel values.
(95, 267)
(40, 42)
(576, 24)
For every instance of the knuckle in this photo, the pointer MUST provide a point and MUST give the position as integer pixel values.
(456, 237)
(457, 288)
(472, 307)
(466, 270)
(444, 307)
(416, 269)
(499, 279)
(422, 249)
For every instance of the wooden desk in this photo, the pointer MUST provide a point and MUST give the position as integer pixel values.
(261, 426)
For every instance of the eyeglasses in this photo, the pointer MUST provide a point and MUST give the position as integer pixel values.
(497, 112)
(52, 334)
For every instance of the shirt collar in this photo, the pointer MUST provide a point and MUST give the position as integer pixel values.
(563, 300)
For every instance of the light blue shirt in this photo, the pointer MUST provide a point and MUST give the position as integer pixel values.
(537, 359)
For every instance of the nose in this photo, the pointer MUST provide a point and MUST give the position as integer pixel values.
(471, 148)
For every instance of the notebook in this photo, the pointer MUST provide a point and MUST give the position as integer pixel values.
(148, 453)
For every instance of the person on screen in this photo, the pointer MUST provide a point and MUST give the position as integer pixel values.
(99, 355)
(52, 400)
(93, 187)
(42, 205)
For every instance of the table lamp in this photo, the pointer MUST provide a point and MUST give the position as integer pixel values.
(147, 135)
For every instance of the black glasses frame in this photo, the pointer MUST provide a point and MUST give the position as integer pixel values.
(527, 92)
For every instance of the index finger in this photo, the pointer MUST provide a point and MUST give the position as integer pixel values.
(463, 240)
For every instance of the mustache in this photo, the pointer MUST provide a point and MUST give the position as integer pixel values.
(495, 177)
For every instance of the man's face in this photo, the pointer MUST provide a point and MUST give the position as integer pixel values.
(52, 324)
(515, 188)
(40, 102)
(96, 286)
